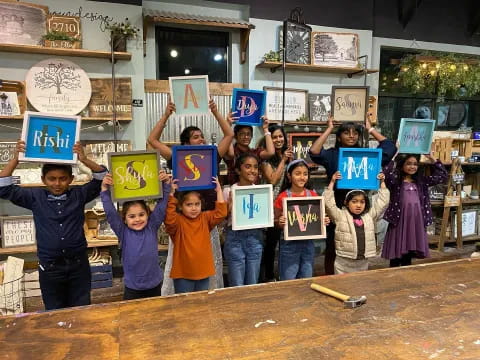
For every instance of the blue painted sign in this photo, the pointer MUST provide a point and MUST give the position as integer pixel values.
(359, 168)
(252, 206)
(415, 136)
(249, 106)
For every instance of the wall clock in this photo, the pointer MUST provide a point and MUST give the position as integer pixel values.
(297, 38)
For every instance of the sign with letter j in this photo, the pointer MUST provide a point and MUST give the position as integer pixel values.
(190, 94)
(359, 168)
(194, 166)
(252, 206)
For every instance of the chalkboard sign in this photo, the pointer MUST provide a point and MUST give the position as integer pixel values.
(301, 144)
(7, 151)
(304, 218)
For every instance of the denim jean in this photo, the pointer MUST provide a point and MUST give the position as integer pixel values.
(296, 259)
(65, 282)
(243, 254)
(187, 285)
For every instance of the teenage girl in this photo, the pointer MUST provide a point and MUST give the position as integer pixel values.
(296, 257)
(410, 211)
(355, 225)
(243, 248)
(137, 231)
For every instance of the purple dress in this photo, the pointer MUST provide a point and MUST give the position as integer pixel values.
(409, 234)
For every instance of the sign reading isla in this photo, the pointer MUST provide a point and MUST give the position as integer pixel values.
(135, 175)
(359, 168)
(252, 206)
(304, 218)
(249, 106)
(194, 166)
(190, 94)
(415, 136)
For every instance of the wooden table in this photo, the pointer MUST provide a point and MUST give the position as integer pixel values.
(420, 312)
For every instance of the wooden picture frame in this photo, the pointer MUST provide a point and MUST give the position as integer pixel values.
(9, 104)
(304, 218)
(359, 168)
(249, 106)
(19, 88)
(469, 223)
(101, 103)
(135, 175)
(319, 106)
(301, 143)
(49, 138)
(252, 206)
(190, 94)
(350, 103)
(17, 231)
(415, 136)
(335, 49)
(296, 100)
(194, 166)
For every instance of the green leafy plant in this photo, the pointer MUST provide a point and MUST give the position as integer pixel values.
(58, 35)
(125, 29)
(272, 56)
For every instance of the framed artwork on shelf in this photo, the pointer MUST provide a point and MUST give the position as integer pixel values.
(296, 103)
(71, 25)
(17, 231)
(50, 137)
(252, 207)
(249, 106)
(349, 103)
(104, 231)
(7, 150)
(335, 49)
(319, 105)
(9, 104)
(17, 87)
(469, 223)
(101, 104)
(301, 143)
(190, 94)
(359, 168)
(415, 136)
(135, 175)
(297, 38)
(304, 218)
(194, 166)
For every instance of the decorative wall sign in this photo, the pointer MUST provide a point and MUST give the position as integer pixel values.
(9, 104)
(104, 231)
(71, 25)
(50, 137)
(415, 136)
(359, 168)
(319, 106)
(301, 143)
(194, 166)
(190, 94)
(135, 175)
(469, 223)
(17, 231)
(373, 108)
(297, 37)
(249, 106)
(7, 151)
(97, 150)
(295, 103)
(335, 49)
(18, 87)
(101, 104)
(58, 86)
(22, 23)
(252, 206)
(304, 218)
(349, 103)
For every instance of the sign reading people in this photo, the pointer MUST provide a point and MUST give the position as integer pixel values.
(252, 206)
(304, 218)
(194, 166)
(359, 168)
(415, 136)
(249, 106)
(190, 94)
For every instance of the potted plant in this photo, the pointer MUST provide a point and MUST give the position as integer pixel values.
(120, 32)
(60, 39)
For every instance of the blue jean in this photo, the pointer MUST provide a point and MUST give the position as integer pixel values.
(243, 254)
(187, 285)
(296, 259)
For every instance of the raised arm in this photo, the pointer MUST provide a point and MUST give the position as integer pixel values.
(92, 165)
(113, 217)
(333, 211)
(318, 144)
(439, 175)
(158, 215)
(171, 216)
(382, 200)
(269, 150)
(371, 130)
(274, 176)
(13, 163)
(154, 136)
(224, 144)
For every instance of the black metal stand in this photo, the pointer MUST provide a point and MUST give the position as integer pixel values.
(114, 107)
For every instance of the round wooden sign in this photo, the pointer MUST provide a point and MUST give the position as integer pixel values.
(58, 86)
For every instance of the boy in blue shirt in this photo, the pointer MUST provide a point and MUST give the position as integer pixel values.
(59, 214)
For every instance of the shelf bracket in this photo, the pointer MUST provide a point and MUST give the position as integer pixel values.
(274, 69)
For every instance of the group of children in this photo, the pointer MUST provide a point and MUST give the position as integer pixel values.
(190, 218)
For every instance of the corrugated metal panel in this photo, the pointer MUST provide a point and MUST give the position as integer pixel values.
(156, 104)
(194, 17)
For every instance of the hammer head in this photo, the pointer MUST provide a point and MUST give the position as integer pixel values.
(354, 301)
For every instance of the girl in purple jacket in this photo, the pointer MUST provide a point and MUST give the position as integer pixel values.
(409, 212)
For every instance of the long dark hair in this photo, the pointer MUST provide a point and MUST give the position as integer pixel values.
(400, 161)
(275, 159)
(351, 194)
(347, 127)
(287, 183)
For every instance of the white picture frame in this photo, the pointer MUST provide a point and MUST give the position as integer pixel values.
(469, 223)
(17, 231)
(252, 206)
(9, 103)
(296, 101)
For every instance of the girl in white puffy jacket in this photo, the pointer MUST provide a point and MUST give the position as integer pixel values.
(355, 225)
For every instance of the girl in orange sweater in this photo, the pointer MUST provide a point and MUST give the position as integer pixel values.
(189, 228)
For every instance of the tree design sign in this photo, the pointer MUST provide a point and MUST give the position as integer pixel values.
(305, 218)
(415, 136)
(252, 206)
(194, 166)
(335, 49)
(249, 106)
(58, 86)
(190, 94)
(359, 168)
(135, 175)
(349, 103)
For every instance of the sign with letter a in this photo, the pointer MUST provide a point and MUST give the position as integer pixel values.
(359, 168)
(194, 166)
(248, 106)
(49, 138)
(190, 94)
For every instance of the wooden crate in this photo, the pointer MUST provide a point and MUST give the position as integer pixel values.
(19, 88)
(443, 148)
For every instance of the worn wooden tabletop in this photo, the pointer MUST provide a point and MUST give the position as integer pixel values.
(421, 312)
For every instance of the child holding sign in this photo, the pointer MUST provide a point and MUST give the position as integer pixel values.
(355, 225)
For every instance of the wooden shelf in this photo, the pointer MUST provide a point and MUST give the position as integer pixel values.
(84, 118)
(274, 66)
(464, 202)
(33, 49)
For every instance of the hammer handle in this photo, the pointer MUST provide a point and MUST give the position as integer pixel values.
(330, 292)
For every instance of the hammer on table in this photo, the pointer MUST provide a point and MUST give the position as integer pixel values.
(350, 302)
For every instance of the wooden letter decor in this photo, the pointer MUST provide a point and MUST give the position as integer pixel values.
(304, 218)
(249, 106)
(194, 166)
(301, 143)
(71, 25)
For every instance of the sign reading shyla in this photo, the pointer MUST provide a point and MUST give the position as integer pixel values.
(359, 168)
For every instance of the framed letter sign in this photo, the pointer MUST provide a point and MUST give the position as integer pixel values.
(252, 206)
(301, 143)
(190, 94)
(135, 175)
(194, 166)
(359, 168)
(249, 106)
(415, 136)
(17, 231)
(304, 218)
(349, 103)
(49, 138)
